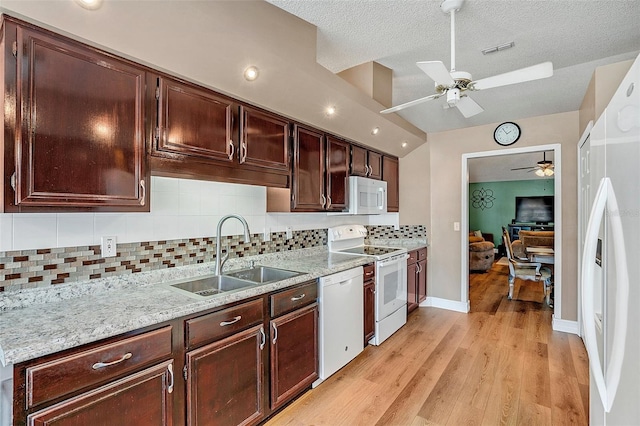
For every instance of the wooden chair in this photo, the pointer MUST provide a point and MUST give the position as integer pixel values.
(526, 270)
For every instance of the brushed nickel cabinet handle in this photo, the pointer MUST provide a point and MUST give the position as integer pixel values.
(264, 338)
(243, 152)
(275, 333)
(296, 298)
(171, 379)
(324, 200)
(233, 321)
(13, 181)
(328, 202)
(233, 149)
(99, 365)
(144, 192)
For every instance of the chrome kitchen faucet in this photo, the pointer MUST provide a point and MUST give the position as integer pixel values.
(247, 238)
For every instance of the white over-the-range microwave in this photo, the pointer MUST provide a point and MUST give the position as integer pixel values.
(367, 196)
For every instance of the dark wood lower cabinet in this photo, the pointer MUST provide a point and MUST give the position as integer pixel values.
(416, 278)
(369, 278)
(230, 376)
(412, 287)
(294, 354)
(139, 399)
(225, 380)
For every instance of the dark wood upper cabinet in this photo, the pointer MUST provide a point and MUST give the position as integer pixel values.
(201, 134)
(365, 162)
(359, 161)
(308, 169)
(264, 139)
(74, 125)
(193, 121)
(320, 171)
(375, 165)
(390, 174)
(337, 175)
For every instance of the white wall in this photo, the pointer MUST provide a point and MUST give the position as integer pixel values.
(180, 208)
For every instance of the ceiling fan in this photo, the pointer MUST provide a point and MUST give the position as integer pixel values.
(453, 84)
(542, 168)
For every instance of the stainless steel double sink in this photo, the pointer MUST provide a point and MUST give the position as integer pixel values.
(211, 285)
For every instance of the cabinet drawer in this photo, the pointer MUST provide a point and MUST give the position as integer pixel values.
(369, 272)
(294, 298)
(422, 254)
(223, 323)
(53, 379)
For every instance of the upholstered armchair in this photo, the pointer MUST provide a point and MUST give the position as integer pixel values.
(481, 254)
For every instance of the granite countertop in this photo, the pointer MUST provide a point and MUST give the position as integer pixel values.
(38, 322)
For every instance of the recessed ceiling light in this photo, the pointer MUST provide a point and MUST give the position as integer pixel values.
(404, 144)
(251, 73)
(90, 4)
(375, 130)
(330, 110)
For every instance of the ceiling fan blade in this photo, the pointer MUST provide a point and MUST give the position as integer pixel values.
(468, 107)
(410, 104)
(534, 72)
(524, 168)
(437, 72)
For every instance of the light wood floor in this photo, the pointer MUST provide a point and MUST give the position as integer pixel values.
(500, 364)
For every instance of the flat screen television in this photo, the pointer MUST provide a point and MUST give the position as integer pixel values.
(538, 209)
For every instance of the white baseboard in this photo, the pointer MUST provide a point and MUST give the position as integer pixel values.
(565, 326)
(451, 305)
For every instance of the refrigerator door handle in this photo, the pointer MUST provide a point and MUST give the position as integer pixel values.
(607, 387)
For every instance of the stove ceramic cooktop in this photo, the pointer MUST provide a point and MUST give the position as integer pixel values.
(371, 250)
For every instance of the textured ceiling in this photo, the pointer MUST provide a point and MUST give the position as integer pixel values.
(576, 35)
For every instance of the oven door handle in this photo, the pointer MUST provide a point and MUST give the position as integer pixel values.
(392, 261)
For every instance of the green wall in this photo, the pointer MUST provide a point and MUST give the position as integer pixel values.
(490, 215)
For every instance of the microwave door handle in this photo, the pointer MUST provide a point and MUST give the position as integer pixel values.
(380, 198)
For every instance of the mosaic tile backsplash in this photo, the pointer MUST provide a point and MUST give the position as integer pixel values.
(45, 267)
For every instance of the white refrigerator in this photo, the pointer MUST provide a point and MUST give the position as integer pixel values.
(609, 175)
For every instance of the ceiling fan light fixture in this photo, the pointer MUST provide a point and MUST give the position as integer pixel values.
(539, 172)
(548, 172)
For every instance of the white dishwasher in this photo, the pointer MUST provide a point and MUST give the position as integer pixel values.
(341, 322)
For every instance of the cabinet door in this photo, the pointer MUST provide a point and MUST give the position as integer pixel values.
(308, 170)
(337, 174)
(294, 353)
(225, 380)
(142, 398)
(412, 287)
(264, 140)
(390, 174)
(369, 310)
(193, 121)
(80, 141)
(375, 165)
(359, 166)
(422, 281)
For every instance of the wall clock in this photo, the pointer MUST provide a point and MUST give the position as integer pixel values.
(507, 133)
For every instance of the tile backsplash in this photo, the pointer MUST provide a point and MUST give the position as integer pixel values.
(42, 249)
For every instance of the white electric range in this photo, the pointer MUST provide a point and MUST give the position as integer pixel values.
(391, 276)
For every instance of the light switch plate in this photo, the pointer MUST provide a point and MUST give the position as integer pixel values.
(456, 226)
(108, 246)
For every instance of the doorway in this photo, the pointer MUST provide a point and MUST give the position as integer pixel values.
(556, 149)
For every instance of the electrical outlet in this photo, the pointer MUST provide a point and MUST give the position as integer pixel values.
(108, 248)
(266, 236)
(289, 233)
